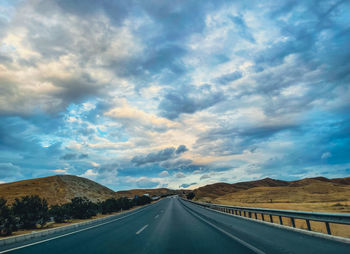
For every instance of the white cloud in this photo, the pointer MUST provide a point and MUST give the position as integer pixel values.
(94, 164)
(60, 171)
(90, 173)
(180, 175)
(206, 176)
(164, 173)
(326, 155)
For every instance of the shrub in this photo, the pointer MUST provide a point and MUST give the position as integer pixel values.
(125, 203)
(82, 208)
(7, 220)
(190, 195)
(110, 205)
(60, 213)
(30, 211)
(143, 200)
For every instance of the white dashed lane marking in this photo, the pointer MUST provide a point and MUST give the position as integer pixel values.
(141, 229)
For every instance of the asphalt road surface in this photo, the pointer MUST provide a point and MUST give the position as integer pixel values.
(175, 226)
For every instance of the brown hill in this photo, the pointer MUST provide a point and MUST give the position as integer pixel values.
(215, 190)
(212, 191)
(57, 189)
(266, 182)
(151, 192)
(316, 194)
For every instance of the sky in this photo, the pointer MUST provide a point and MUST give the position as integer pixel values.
(176, 94)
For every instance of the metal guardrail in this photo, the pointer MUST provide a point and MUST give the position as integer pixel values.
(338, 218)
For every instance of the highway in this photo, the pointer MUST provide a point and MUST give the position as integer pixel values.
(175, 226)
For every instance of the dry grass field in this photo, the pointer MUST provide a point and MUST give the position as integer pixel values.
(315, 194)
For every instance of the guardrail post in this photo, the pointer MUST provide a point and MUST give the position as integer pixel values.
(327, 218)
(281, 221)
(328, 228)
(308, 225)
(293, 222)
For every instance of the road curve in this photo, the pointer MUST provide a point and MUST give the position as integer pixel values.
(176, 226)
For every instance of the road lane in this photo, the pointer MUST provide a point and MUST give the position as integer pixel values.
(177, 231)
(174, 231)
(268, 238)
(174, 226)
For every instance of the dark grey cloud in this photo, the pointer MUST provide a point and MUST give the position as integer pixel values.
(181, 149)
(83, 156)
(177, 163)
(162, 155)
(69, 156)
(188, 100)
(73, 156)
(227, 78)
(228, 141)
(77, 89)
(242, 28)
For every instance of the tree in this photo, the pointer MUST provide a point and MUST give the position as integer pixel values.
(60, 213)
(110, 205)
(125, 203)
(190, 195)
(82, 208)
(143, 200)
(30, 211)
(7, 220)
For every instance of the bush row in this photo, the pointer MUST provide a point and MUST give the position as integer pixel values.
(29, 211)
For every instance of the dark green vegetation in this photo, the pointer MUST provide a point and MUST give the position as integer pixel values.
(7, 219)
(30, 211)
(190, 195)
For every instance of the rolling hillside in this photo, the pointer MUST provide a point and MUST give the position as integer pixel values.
(151, 192)
(314, 194)
(57, 189)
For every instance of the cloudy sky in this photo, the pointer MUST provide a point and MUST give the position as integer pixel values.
(140, 94)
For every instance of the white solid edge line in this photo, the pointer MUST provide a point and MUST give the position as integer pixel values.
(249, 246)
(71, 233)
(141, 229)
(298, 230)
